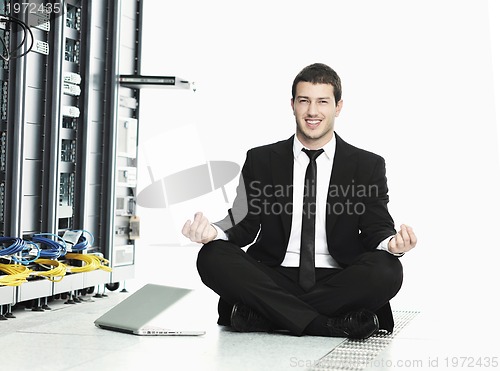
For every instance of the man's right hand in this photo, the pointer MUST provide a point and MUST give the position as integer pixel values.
(200, 230)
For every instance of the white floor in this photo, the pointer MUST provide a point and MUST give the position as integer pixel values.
(65, 337)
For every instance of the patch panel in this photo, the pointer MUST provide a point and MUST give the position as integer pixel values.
(72, 78)
(66, 189)
(72, 51)
(73, 17)
(68, 150)
(66, 198)
(2, 204)
(69, 123)
(71, 89)
(3, 151)
(6, 38)
(70, 111)
(4, 102)
(41, 47)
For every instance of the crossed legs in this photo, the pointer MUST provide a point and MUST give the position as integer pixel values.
(274, 292)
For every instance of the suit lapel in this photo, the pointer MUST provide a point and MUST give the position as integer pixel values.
(344, 166)
(282, 175)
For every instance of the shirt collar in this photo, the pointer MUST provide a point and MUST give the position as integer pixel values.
(329, 148)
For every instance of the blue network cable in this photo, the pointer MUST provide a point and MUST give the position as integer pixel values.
(50, 249)
(83, 241)
(26, 252)
(81, 245)
(16, 245)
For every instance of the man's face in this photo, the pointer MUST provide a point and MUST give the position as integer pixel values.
(315, 111)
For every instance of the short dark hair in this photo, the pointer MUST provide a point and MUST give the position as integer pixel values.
(319, 73)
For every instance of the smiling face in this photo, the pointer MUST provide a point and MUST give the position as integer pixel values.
(315, 111)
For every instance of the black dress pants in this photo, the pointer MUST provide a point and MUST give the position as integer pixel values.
(274, 292)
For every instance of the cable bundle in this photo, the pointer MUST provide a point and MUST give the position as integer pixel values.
(92, 262)
(16, 274)
(50, 249)
(104, 263)
(81, 245)
(8, 54)
(83, 242)
(18, 250)
(16, 245)
(51, 274)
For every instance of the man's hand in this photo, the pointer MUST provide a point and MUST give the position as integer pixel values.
(200, 230)
(403, 241)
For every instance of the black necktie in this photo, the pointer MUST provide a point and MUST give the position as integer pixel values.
(307, 276)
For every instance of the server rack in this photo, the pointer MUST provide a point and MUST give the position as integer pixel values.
(122, 156)
(68, 136)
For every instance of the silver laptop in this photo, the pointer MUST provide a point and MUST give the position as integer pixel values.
(153, 310)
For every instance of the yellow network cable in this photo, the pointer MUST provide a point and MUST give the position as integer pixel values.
(16, 274)
(55, 274)
(90, 264)
(104, 264)
(93, 262)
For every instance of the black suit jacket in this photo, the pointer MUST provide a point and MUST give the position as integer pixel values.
(357, 219)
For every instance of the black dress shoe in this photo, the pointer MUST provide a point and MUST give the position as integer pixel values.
(355, 325)
(243, 319)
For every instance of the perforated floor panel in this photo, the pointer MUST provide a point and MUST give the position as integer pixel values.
(357, 354)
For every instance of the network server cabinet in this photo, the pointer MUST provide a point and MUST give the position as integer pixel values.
(69, 132)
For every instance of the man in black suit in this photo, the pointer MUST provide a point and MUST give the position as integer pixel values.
(323, 254)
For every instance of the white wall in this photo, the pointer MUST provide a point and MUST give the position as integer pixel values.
(494, 15)
(418, 90)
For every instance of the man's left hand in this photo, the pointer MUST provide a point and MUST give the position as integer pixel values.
(403, 241)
